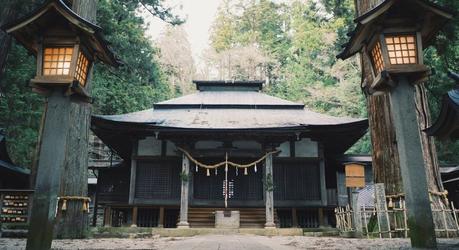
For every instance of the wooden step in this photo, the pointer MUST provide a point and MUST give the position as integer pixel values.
(249, 217)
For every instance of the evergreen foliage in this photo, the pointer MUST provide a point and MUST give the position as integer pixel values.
(134, 86)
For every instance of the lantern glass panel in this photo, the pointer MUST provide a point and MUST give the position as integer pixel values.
(401, 49)
(82, 68)
(56, 61)
(376, 56)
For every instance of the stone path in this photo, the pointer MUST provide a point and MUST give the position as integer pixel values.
(227, 242)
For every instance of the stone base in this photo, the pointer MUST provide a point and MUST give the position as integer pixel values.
(270, 226)
(227, 219)
(183, 224)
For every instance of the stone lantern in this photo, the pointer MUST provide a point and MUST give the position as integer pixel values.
(390, 36)
(65, 45)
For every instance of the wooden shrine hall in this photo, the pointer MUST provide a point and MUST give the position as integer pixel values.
(227, 147)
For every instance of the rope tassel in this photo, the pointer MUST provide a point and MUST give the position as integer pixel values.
(216, 171)
(255, 168)
(208, 172)
(245, 171)
(236, 171)
(64, 205)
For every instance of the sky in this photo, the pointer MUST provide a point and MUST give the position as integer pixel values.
(199, 15)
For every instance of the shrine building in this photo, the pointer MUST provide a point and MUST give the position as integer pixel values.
(226, 147)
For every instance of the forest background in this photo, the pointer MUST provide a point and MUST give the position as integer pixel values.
(290, 44)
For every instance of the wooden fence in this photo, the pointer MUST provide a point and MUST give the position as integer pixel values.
(392, 221)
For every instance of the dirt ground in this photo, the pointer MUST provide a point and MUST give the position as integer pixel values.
(226, 242)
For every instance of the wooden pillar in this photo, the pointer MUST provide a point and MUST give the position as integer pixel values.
(134, 217)
(183, 223)
(294, 217)
(50, 164)
(107, 217)
(323, 184)
(161, 217)
(269, 196)
(412, 165)
(133, 172)
(320, 211)
(96, 205)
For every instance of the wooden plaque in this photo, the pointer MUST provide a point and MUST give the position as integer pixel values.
(355, 175)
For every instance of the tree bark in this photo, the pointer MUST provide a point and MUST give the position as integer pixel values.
(73, 223)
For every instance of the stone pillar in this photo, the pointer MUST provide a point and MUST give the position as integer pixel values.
(184, 195)
(50, 164)
(269, 196)
(357, 216)
(414, 178)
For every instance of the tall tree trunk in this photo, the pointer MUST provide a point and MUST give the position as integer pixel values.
(73, 223)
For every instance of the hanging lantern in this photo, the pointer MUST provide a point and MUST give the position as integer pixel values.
(390, 38)
(65, 45)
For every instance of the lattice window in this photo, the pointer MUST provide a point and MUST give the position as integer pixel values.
(401, 49)
(56, 61)
(376, 57)
(82, 69)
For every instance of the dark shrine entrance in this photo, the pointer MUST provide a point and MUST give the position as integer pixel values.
(245, 190)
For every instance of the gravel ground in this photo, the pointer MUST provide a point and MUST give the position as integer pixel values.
(223, 242)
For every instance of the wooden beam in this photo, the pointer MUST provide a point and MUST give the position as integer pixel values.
(133, 172)
(184, 197)
(320, 211)
(134, 216)
(294, 217)
(269, 196)
(323, 185)
(161, 217)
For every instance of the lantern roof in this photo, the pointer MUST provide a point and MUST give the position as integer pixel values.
(427, 17)
(28, 29)
(447, 123)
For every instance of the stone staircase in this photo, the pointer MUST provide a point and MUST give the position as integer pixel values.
(250, 217)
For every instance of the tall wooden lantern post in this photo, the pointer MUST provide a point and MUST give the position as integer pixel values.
(392, 34)
(66, 46)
